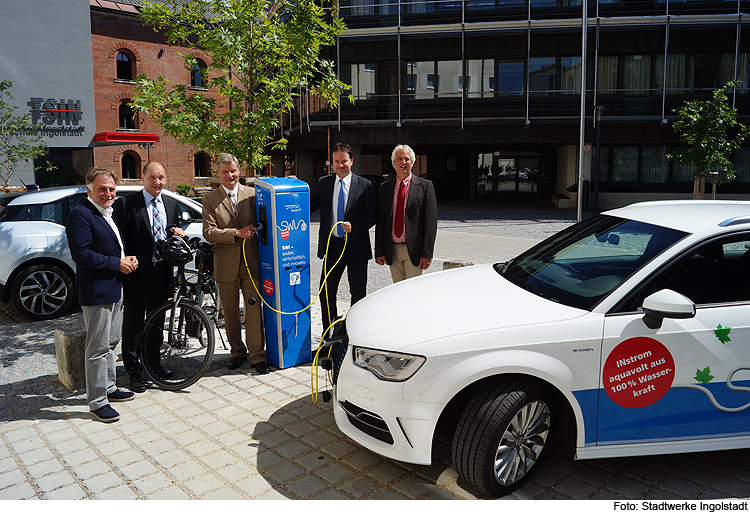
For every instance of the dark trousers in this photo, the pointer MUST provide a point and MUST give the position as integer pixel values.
(154, 288)
(356, 271)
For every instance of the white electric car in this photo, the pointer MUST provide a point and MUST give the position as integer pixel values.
(625, 334)
(36, 269)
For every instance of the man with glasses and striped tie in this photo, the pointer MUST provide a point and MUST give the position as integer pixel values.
(145, 218)
(348, 198)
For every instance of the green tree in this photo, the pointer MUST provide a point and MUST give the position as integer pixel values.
(18, 142)
(263, 53)
(711, 132)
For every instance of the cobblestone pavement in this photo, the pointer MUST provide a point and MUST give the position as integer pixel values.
(238, 435)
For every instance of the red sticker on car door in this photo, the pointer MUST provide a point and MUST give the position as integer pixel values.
(638, 372)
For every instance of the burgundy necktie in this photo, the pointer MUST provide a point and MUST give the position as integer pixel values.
(398, 229)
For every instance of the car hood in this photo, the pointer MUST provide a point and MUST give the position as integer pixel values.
(447, 304)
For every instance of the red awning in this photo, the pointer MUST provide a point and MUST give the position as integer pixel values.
(104, 139)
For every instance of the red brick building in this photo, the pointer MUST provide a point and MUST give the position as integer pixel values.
(123, 47)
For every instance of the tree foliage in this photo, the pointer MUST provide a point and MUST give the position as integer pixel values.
(19, 143)
(262, 51)
(711, 132)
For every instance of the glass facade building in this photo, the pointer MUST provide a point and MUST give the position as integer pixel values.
(489, 93)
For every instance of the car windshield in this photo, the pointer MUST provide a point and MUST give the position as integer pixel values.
(579, 266)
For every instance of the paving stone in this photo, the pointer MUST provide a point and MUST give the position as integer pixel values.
(202, 448)
(203, 484)
(223, 494)
(338, 449)
(680, 486)
(17, 492)
(732, 486)
(186, 471)
(283, 473)
(102, 482)
(125, 458)
(576, 488)
(25, 433)
(138, 470)
(312, 460)
(115, 446)
(172, 493)
(44, 468)
(71, 492)
(385, 473)
(254, 485)
(292, 449)
(7, 464)
(153, 482)
(628, 487)
(361, 461)
(334, 473)
(218, 459)
(54, 481)
(11, 478)
(359, 487)
(118, 493)
(60, 435)
(236, 471)
(82, 456)
(32, 457)
(28, 444)
(157, 447)
(331, 494)
(306, 486)
(90, 469)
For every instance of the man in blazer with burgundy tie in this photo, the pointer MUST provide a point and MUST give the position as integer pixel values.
(348, 198)
(228, 220)
(407, 219)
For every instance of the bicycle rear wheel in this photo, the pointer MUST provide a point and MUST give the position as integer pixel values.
(185, 338)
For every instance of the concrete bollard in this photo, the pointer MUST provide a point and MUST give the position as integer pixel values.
(69, 349)
(450, 264)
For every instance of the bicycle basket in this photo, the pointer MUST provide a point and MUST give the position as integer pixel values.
(174, 250)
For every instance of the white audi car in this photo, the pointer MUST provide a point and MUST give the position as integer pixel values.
(625, 334)
(36, 269)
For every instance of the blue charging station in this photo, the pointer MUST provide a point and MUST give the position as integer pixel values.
(283, 211)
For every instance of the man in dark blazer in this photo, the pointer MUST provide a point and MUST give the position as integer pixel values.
(407, 219)
(150, 285)
(97, 249)
(359, 209)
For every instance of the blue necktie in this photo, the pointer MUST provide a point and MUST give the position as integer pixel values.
(158, 227)
(340, 210)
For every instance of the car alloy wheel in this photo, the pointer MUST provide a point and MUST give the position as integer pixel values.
(42, 291)
(521, 443)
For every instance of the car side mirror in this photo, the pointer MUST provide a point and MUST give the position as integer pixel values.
(666, 304)
(186, 216)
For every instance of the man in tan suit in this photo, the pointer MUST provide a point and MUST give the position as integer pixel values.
(228, 218)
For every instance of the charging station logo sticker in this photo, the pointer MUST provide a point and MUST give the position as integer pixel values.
(295, 278)
(284, 234)
(268, 286)
(638, 372)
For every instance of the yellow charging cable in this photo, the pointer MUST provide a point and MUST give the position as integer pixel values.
(313, 379)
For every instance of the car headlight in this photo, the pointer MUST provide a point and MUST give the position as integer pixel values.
(388, 366)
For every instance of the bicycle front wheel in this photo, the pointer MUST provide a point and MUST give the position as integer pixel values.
(185, 338)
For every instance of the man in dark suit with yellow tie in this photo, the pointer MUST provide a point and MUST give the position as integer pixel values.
(350, 199)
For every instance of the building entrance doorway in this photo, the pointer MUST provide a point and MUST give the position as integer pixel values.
(507, 171)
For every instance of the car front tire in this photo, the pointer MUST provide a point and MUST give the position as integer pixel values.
(42, 291)
(501, 435)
